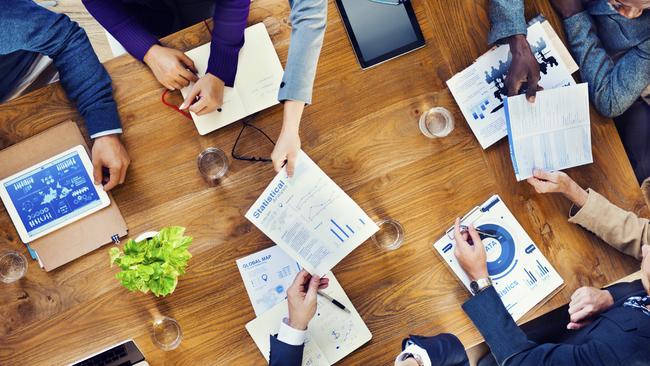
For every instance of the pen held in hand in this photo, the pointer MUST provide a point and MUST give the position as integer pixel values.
(334, 301)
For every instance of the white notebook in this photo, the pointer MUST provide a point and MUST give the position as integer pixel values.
(331, 335)
(259, 74)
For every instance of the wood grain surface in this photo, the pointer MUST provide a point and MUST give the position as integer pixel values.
(362, 130)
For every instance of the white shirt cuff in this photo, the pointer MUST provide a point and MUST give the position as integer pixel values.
(291, 336)
(106, 133)
(417, 351)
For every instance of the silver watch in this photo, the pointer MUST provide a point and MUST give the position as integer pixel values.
(480, 285)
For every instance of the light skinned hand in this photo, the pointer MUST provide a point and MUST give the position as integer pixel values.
(210, 90)
(301, 296)
(472, 258)
(587, 302)
(109, 152)
(171, 67)
(558, 182)
(288, 145)
(524, 68)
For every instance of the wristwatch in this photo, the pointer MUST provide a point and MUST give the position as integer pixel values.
(480, 285)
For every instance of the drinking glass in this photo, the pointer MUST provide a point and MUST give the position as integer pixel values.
(390, 235)
(13, 266)
(167, 334)
(436, 122)
(213, 165)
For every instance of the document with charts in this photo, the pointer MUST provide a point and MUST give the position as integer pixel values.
(331, 335)
(554, 133)
(480, 89)
(310, 217)
(259, 74)
(520, 273)
(267, 274)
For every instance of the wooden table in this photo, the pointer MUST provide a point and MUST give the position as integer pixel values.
(362, 130)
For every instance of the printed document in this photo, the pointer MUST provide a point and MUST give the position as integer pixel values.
(554, 133)
(331, 335)
(259, 74)
(267, 274)
(480, 89)
(310, 217)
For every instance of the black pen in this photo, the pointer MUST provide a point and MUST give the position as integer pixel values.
(333, 301)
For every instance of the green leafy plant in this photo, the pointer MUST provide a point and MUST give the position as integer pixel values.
(153, 264)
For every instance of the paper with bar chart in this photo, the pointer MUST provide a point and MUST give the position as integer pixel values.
(310, 217)
(554, 133)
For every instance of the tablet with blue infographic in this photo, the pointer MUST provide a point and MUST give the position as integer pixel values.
(520, 273)
(52, 194)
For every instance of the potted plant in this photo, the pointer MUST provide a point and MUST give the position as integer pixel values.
(153, 262)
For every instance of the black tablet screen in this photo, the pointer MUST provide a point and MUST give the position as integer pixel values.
(379, 28)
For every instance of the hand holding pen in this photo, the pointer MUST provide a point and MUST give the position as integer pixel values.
(301, 296)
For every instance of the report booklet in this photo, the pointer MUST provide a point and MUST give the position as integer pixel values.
(310, 217)
(331, 335)
(554, 133)
(480, 89)
(259, 74)
(520, 273)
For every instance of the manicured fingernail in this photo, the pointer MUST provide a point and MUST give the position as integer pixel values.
(182, 106)
(531, 99)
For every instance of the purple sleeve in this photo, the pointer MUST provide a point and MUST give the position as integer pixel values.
(119, 21)
(227, 38)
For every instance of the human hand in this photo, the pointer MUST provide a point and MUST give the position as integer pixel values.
(170, 67)
(109, 152)
(472, 258)
(567, 8)
(524, 68)
(558, 182)
(286, 149)
(301, 296)
(210, 90)
(587, 302)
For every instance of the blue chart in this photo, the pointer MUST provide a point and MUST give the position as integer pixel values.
(342, 232)
(542, 271)
(478, 112)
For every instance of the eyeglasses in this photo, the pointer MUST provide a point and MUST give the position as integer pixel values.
(389, 2)
(247, 123)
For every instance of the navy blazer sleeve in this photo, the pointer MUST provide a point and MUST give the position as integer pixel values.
(623, 290)
(509, 343)
(506, 19)
(283, 354)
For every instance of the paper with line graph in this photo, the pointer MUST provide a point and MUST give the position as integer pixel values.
(554, 133)
(310, 217)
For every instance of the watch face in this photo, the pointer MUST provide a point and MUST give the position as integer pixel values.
(474, 286)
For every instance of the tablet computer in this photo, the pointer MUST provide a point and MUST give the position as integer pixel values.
(52, 194)
(380, 30)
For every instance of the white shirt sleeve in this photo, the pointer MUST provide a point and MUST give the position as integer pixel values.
(291, 336)
(418, 352)
(106, 133)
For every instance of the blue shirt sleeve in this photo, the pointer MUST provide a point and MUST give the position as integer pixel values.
(86, 82)
(308, 21)
(613, 86)
(506, 19)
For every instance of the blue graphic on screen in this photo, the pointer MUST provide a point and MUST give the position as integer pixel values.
(52, 193)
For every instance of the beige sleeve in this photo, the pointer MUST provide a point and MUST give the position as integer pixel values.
(621, 229)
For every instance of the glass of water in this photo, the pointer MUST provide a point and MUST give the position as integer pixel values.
(13, 266)
(167, 334)
(436, 122)
(213, 165)
(390, 235)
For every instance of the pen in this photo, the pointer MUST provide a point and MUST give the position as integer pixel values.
(465, 229)
(333, 301)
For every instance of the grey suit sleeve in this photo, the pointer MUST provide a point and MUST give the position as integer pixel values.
(506, 19)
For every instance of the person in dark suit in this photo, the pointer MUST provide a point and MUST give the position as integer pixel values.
(607, 327)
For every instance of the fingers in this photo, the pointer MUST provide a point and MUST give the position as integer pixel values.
(291, 163)
(324, 283)
(196, 90)
(544, 175)
(576, 326)
(97, 170)
(513, 85)
(531, 91)
(201, 107)
(187, 62)
(277, 164)
(475, 238)
(581, 314)
(457, 234)
(123, 169)
(313, 287)
(114, 178)
(188, 75)
(301, 278)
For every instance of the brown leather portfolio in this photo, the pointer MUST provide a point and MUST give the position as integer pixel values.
(78, 238)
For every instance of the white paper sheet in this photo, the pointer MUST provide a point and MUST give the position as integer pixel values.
(310, 217)
(554, 133)
(267, 274)
(480, 90)
(332, 334)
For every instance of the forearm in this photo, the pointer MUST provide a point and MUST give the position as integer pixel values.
(506, 19)
(613, 86)
(292, 115)
(229, 23)
(120, 21)
(308, 22)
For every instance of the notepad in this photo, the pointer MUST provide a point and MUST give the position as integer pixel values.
(256, 87)
(554, 133)
(331, 335)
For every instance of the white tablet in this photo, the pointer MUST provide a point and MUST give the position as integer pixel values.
(52, 194)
